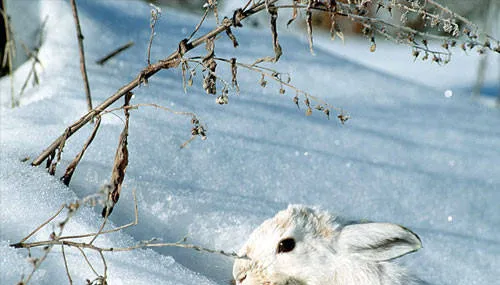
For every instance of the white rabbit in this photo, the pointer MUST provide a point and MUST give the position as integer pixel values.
(302, 246)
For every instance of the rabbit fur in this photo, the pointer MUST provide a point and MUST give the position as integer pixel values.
(323, 251)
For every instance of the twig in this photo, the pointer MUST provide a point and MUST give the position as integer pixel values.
(114, 53)
(83, 69)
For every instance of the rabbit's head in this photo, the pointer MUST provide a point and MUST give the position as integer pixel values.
(302, 245)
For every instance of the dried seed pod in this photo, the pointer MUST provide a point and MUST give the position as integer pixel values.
(296, 101)
(327, 113)
(222, 99)
(234, 72)
(343, 118)
(415, 54)
(309, 111)
(263, 82)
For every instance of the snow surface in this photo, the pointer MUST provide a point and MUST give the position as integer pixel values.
(408, 155)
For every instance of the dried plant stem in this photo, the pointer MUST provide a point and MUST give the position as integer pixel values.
(36, 264)
(9, 53)
(105, 265)
(155, 15)
(271, 74)
(199, 24)
(83, 68)
(87, 260)
(100, 232)
(68, 174)
(66, 265)
(83, 245)
(114, 53)
(136, 106)
(171, 61)
(454, 15)
(58, 239)
(43, 224)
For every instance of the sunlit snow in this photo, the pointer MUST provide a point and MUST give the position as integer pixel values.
(424, 154)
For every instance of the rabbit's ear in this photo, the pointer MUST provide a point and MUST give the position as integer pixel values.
(377, 241)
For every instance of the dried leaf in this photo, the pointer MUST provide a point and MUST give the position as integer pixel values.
(309, 111)
(273, 11)
(120, 164)
(184, 67)
(296, 101)
(294, 13)
(309, 26)
(234, 72)
(232, 37)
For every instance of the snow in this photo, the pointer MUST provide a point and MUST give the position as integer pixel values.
(409, 154)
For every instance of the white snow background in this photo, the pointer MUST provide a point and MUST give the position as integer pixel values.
(408, 155)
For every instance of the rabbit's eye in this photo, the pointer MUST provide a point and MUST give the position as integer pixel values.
(286, 245)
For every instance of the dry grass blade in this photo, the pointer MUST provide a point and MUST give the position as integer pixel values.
(114, 53)
(66, 178)
(120, 164)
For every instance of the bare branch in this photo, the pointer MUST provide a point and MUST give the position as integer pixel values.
(171, 61)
